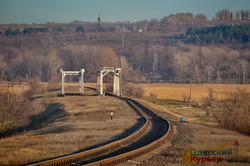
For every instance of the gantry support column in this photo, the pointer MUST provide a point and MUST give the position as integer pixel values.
(81, 81)
(117, 80)
(99, 85)
(63, 81)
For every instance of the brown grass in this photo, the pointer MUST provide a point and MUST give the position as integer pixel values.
(17, 88)
(86, 123)
(207, 137)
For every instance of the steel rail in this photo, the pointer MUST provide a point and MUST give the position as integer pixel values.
(117, 159)
(78, 157)
(109, 148)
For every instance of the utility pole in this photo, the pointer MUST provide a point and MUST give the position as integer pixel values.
(199, 65)
(155, 63)
(123, 42)
(146, 58)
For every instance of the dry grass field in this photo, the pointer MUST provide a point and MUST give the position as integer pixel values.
(16, 88)
(67, 125)
(202, 132)
(72, 123)
(176, 91)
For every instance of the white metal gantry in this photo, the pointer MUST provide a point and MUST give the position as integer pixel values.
(81, 79)
(117, 79)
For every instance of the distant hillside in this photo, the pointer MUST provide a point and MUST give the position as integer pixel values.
(187, 48)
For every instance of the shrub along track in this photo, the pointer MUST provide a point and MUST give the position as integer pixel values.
(153, 132)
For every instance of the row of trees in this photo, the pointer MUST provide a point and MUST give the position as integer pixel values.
(46, 64)
(219, 34)
(10, 32)
(32, 30)
(211, 64)
(195, 64)
(173, 23)
(181, 63)
(226, 15)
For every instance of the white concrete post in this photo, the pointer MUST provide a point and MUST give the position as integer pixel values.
(63, 76)
(99, 83)
(116, 86)
(117, 80)
(82, 82)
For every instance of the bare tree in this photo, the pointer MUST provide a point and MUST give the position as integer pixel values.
(154, 25)
(235, 114)
(181, 62)
(54, 64)
(245, 15)
(12, 111)
(209, 69)
(210, 60)
(200, 19)
(91, 58)
(237, 16)
(3, 68)
(126, 68)
(224, 15)
(245, 67)
(218, 76)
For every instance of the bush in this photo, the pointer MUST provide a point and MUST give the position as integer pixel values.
(186, 98)
(132, 90)
(128, 89)
(153, 95)
(14, 111)
(235, 113)
(53, 84)
(35, 87)
(208, 100)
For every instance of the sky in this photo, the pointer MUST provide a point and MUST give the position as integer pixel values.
(65, 11)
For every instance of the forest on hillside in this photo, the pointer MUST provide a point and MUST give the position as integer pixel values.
(180, 48)
(219, 34)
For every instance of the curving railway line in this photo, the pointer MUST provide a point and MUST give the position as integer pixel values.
(153, 132)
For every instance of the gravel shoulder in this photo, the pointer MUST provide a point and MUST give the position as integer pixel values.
(198, 134)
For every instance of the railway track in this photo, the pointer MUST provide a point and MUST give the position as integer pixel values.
(153, 132)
